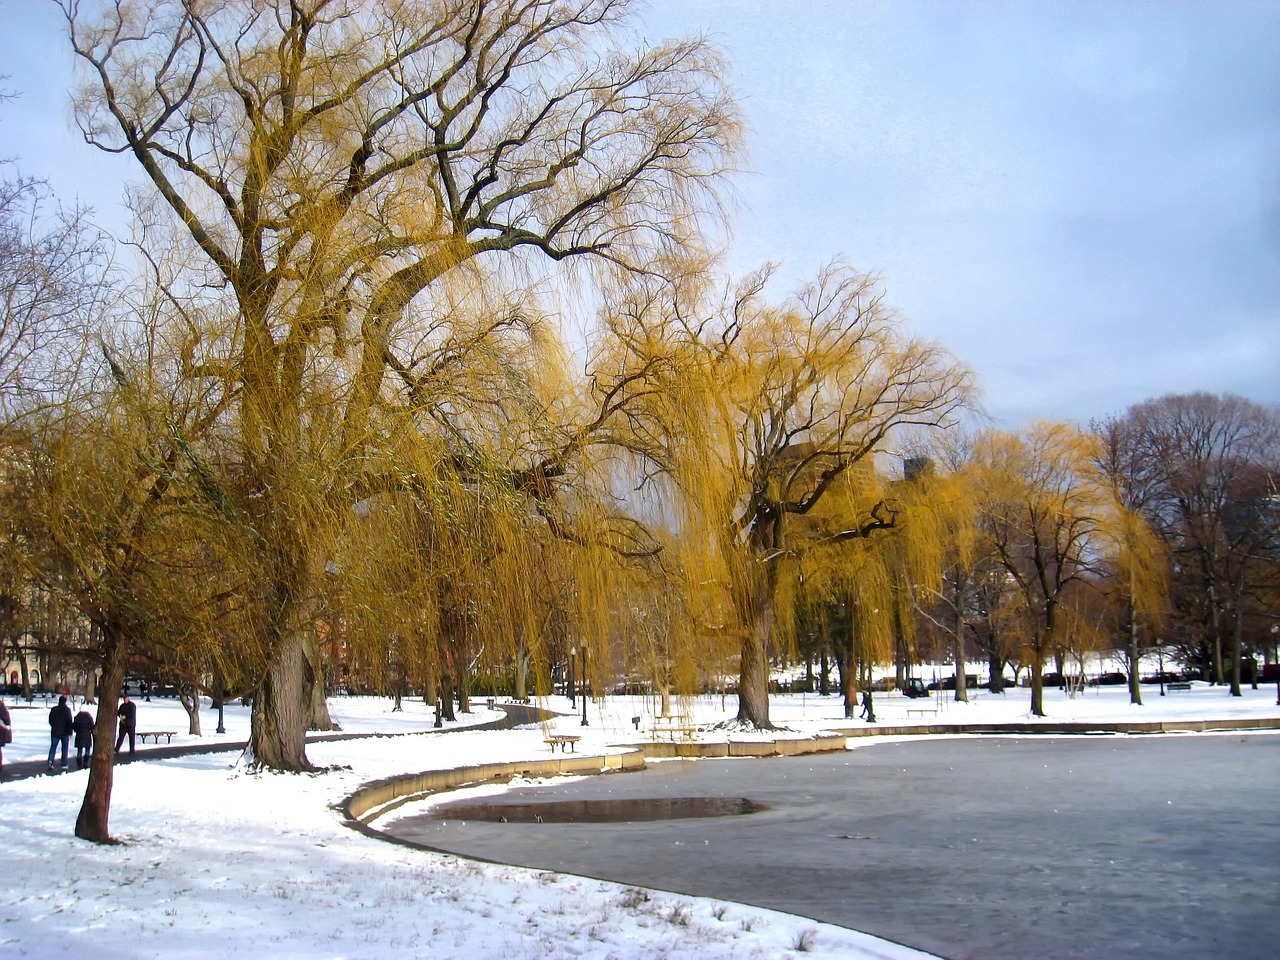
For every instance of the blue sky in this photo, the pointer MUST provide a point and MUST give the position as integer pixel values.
(1080, 199)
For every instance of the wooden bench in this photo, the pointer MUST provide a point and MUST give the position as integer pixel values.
(566, 742)
(673, 728)
(155, 735)
(921, 710)
(1178, 685)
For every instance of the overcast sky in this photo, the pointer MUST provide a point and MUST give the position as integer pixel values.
(1080, 199)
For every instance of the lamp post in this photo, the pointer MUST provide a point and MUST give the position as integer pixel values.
(1275, 629)
(573, 700)
(583, 673)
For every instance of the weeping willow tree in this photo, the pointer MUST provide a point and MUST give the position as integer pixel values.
(946, 500)
(764, 410)
(335, 165)
(125, 528)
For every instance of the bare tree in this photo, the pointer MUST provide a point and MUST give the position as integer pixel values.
(1213, 506)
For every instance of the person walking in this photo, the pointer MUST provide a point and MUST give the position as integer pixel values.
(128, 716)
(60, 725)
(868, 710)
(83, 727)
(6, 729)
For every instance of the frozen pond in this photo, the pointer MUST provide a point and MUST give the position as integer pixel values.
(992, 847)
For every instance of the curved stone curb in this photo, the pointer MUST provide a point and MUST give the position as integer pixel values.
(377, 798)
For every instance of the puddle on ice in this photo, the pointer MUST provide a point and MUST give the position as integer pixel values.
(597, 811)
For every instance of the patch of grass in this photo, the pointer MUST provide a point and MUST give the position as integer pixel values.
(681, 915)
(633, 898)
(805, 940)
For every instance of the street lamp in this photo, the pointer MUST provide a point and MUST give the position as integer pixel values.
(1275, 629)
(573, 652)
(583, 672)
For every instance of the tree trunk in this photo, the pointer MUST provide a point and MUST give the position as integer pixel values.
(446, 696)
(995, 673)
(1135, 656)
(24, 673)
(843, 684)
(1037, 683)
(1237, 648)
(189, 697)
(1215, 637)
(824, 675)
(962, 681)
(92, 823)
(464, 684)
(318, 717)
(522, 674)
(278, 721)
(753, 672)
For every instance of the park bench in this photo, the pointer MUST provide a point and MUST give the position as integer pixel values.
(1179, 685)
(566, 742)
(155, 735)
(921, 710)
(673, 728)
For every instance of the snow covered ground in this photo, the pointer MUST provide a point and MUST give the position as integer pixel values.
(218, 862)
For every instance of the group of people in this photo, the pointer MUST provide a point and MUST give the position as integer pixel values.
(63, 726)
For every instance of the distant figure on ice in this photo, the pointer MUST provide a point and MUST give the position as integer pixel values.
(868, 711)
(128, 714)
(6, 729)
(59, 731)
(83, 727)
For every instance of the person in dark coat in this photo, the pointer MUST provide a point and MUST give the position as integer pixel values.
(128, 715)
(60, 723)
(83, 727)
(6, 729)
(868, 711)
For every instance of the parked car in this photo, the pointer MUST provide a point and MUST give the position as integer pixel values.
(1113, 679)
(949, 683)
(913, 688)
(1165, 677)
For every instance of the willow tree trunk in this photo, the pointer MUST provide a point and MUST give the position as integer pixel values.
(189, 697)
(753, 670)
(962, 680)
(318, 712)
(522, 674)
(92, 823)
(278, 721)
